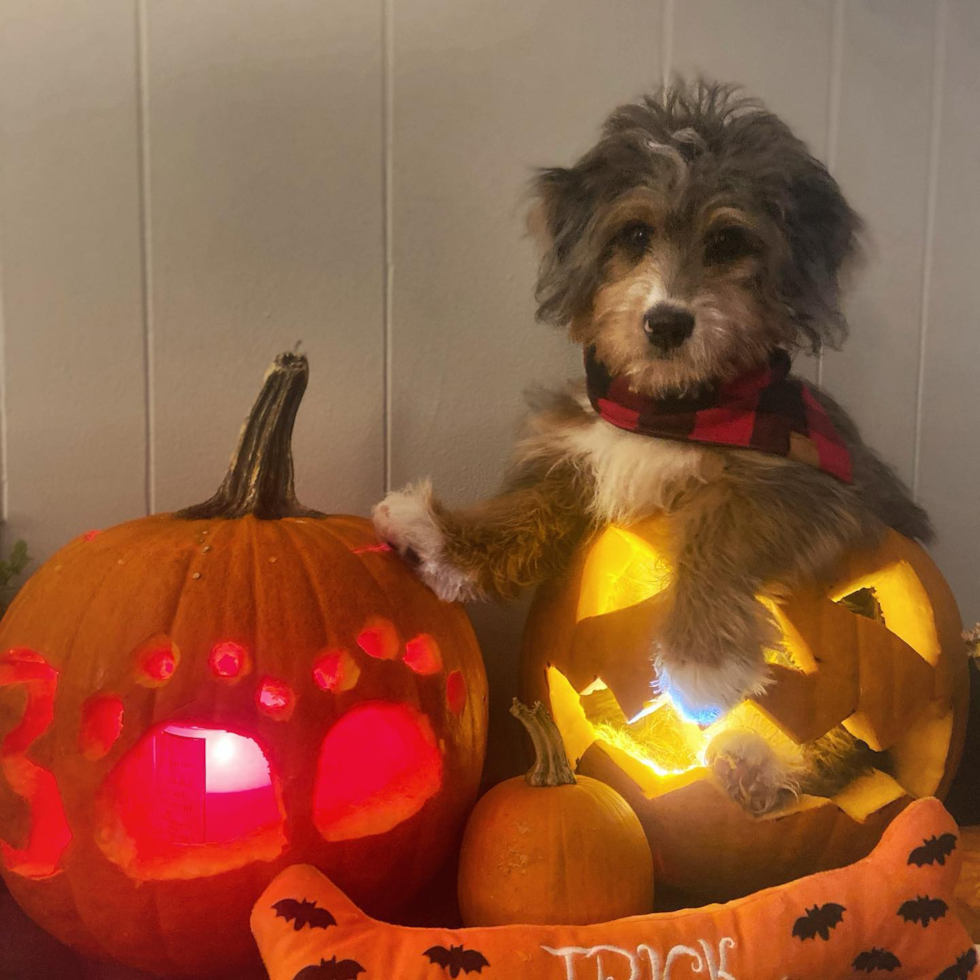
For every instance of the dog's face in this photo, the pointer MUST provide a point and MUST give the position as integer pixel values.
(695, 237)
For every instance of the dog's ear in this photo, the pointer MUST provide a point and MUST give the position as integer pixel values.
(558, 221)
(537, 226)
(555, 191)
(825, 239)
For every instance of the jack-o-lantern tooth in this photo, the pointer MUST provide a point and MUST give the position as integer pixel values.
(422, 654)
(101, 725)
(379, 639)
(335, 670)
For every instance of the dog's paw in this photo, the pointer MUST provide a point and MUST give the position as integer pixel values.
(753, 773)
(705, 692)
(407, 520)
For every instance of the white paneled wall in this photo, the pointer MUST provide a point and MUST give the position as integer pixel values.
(189, 186)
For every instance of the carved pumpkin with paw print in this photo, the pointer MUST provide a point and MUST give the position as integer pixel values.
(190, 702)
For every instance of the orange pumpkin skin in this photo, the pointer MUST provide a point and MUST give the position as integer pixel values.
(903, 688)
(548, 848)
(288, 591)
(573, 854)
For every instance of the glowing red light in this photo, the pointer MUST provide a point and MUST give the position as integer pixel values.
(327, 671)
(456, 692)
(189, 801)
(88, 535)
(369, 548)
(379, 639)
(102, 721)
(227, 659)
(275, 698)
(47, 827)
(377, 767)
(422, 654)
(335, 670)
(155, 661)
(160, 664)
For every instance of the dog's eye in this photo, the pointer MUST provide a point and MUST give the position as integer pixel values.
(635, 237)
(727, 245)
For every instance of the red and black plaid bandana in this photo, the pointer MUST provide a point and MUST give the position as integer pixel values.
(765, 409)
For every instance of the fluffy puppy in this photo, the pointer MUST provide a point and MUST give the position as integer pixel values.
(693, 243)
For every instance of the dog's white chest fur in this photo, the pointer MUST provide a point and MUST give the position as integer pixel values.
(634, 475)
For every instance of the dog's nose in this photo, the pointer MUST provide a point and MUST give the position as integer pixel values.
(667, 326)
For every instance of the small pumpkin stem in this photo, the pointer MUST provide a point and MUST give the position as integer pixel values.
(260, 477)
(551, 766)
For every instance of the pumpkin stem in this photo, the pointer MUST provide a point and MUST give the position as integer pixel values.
(260, 477)
(551, 766)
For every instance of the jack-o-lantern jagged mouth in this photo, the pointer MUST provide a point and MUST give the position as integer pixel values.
(670, 743)
(659, 738)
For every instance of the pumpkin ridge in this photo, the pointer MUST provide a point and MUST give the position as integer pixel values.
(90, 602)
(312, 573)
(369, 577)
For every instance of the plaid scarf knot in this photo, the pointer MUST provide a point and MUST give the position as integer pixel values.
(765, 409)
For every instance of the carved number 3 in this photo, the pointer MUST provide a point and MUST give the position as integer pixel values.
(47, 827)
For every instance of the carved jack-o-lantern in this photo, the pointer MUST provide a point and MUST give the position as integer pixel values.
(894, 676)
(190, 702)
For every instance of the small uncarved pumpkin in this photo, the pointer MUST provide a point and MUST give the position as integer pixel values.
(549, 848)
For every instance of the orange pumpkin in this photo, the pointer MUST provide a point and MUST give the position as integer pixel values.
(549, 848)
(897, 679)
(189, 702)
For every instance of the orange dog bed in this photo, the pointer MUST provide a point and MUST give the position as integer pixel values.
(890, 915)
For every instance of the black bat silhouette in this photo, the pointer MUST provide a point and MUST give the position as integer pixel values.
(331, 970)
(457, 959)
(876, 959)
(962, 968)
(935, 850)
(303, 913)
(923, 909)
(818, 921)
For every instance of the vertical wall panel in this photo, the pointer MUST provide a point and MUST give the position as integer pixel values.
(948, 472)
(780, 50)
(265, 179)
(482, 94)
(882, 163)
(71, 288)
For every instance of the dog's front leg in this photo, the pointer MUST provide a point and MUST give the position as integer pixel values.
(494, 548)
(761, 525)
